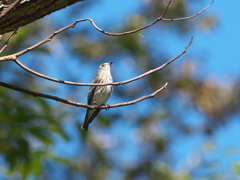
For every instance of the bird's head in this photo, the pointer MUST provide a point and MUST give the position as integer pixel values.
(105, 67)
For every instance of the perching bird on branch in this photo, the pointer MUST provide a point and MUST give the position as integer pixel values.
(98, 95)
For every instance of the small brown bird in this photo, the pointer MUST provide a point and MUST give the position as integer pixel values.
(98, 95)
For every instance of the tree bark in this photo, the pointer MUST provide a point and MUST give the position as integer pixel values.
(30, 10)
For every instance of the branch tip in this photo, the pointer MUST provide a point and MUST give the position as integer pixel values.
(165, 86)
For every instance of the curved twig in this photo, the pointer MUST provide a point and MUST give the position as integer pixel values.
(9, 39)
(96, 84)
(37, 94)
(189, 17)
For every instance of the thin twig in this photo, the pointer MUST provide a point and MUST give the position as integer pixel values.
(12, 6)
(135, 30)
(49, 38)
(189, 17)
(37, 94)
(9, 39)
(136, 100)
(96, 84)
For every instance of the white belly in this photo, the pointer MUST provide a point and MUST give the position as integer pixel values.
(102, 95)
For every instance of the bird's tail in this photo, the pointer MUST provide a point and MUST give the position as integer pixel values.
(88, 119)
(86, 122)
(85, 126)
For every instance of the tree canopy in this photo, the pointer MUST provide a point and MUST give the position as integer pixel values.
(42, 139)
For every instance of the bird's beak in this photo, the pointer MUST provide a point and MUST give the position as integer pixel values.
(110, 63)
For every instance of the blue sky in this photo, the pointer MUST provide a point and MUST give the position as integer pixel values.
(223, 42)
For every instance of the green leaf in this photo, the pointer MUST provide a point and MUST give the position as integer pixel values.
(59, 159)
(59, 130)
(36, 162)
(236, 168)
(104, 121)
(42, 135)
(82, 132)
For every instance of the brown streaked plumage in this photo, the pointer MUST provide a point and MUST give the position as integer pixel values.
(98, 95)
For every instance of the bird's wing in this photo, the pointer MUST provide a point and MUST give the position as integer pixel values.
(93, 89)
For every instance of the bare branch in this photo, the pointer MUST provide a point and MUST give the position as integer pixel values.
(37, 94)
(9, 39)
(189, 17)
(12, 6)
(49, 38)
(96, 84)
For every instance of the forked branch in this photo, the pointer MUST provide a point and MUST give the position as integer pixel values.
(189, 17)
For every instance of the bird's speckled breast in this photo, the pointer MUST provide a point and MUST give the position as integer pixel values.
(103, 94)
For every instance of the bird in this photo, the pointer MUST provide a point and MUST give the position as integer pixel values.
(98, 95)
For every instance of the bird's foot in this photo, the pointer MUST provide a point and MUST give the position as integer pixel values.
(96, 104)
(107, 109)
